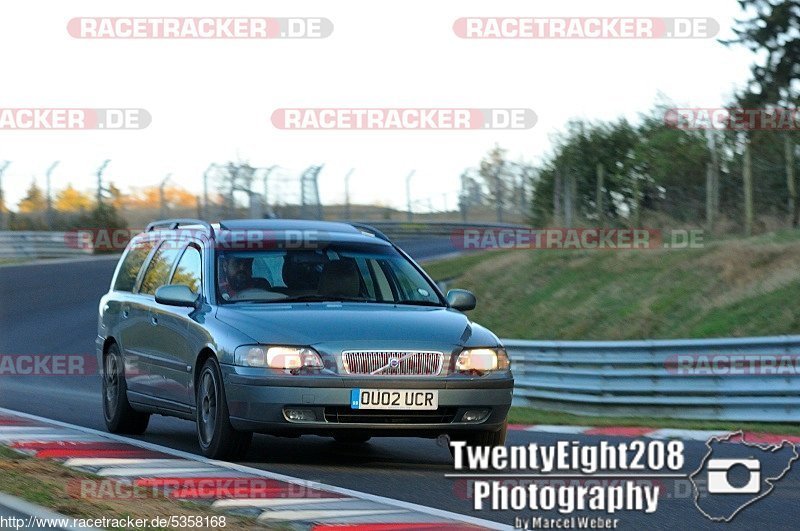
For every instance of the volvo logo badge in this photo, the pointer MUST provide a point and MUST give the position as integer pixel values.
(394, 363)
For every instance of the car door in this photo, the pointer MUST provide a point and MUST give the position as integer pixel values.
(127, 310)
(178, 334)
(145, 345)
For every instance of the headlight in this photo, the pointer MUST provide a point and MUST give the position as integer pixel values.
(483, 360)
(287, 358)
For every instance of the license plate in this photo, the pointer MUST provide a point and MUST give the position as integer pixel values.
(393, 399)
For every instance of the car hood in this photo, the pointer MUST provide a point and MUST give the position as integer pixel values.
(354, 324)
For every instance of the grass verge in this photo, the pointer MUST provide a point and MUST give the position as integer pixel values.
(727, 288)
(52, 485)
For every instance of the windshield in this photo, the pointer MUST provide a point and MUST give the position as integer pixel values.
(332, 272)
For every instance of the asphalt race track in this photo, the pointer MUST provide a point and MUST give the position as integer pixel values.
(52, 309)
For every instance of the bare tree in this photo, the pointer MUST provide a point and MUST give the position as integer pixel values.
(498, 179)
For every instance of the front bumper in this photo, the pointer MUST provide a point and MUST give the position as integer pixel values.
(257, 403)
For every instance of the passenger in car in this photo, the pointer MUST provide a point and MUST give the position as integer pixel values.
(300, 276)
(340, 278)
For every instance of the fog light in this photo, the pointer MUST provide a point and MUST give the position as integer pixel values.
(475, 415)
(299, 415)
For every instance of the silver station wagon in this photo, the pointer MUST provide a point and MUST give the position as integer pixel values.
(293, 327)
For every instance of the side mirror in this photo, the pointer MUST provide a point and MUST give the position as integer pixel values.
(461, 300)
(177, 295)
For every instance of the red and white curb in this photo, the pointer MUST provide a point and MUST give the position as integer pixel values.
(228, 487)
(653, 433)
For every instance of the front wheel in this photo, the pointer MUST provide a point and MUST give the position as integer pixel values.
(484, 438)
(217, 438)
(120, 417)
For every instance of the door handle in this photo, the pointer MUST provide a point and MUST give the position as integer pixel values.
(126, 311)
(153, 320)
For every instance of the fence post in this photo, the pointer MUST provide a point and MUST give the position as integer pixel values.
(601, 214)
(709, 197)
(747, 178)
(790, 184)
(557, 188)
(569, 199)
(636, 216)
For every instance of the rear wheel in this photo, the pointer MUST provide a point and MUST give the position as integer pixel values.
(484, 438)
(120, 417)
(217, 438)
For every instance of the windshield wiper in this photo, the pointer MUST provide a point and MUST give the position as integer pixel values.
(420, 303)
(320, 298)
(333, 298)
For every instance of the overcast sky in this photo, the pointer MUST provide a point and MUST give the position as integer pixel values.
(211, 100)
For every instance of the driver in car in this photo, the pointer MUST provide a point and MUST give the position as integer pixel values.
(237, 276)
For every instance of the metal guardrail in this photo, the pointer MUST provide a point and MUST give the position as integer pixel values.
(40, 244)
(409, 229)
(745, 379)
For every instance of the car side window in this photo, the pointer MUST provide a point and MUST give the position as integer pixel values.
(131, 264)
(157, 273)
(189, 268)
(401, 276)
(369, 280)
(382, 282)
(405, 285)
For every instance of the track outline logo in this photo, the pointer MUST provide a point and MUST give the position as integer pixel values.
(768, 480)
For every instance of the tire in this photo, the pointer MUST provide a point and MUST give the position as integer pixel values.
(216, 436)
(348, 438)
(484, 438)
(120, 417)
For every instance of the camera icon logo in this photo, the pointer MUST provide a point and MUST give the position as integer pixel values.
(718, 476)
(736, 473)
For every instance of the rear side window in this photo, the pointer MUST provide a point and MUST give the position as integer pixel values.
(158, 271)
(188, 270)
(129, 270)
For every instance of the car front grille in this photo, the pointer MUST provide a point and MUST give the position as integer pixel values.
(392, 362)
(345, 415)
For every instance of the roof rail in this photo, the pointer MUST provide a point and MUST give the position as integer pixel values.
(363, 227)
(172, 224)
